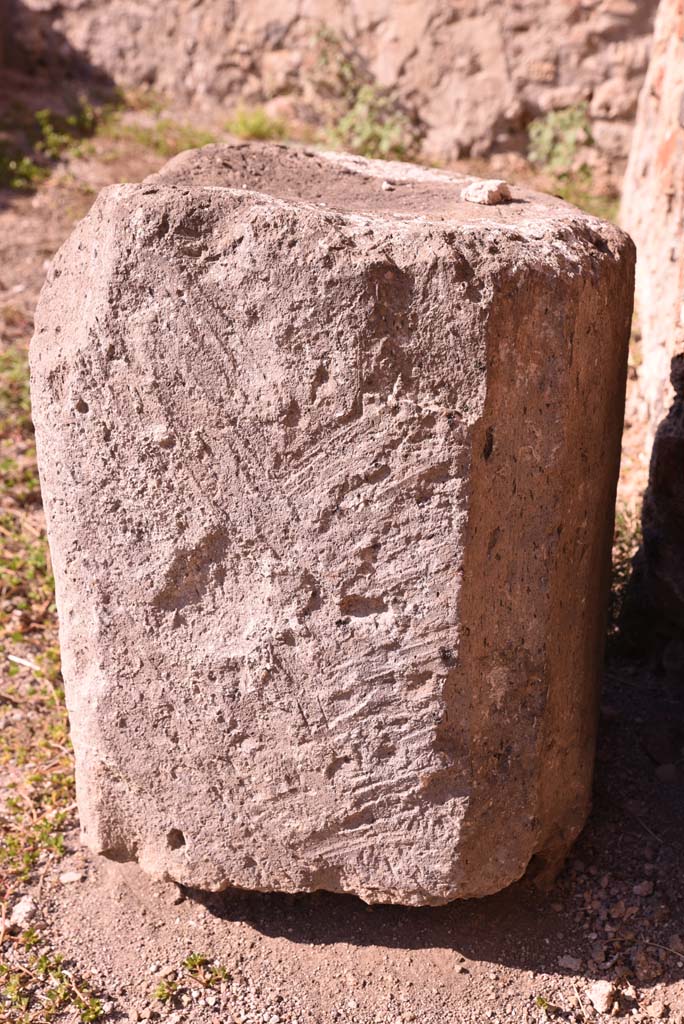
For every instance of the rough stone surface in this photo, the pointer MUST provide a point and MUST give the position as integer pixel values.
(653, 210)
(329, 475)
(471, 72)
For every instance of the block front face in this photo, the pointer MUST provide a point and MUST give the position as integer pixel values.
(275, 423)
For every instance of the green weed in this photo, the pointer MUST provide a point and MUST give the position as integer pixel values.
(557, 137)
(35, 751)
(555, 142)
(196, 971)
(18, 171)
(165, 136)
(36, 743)
(48, 136)
(578, 190)
(374, 127)
(39, 989)
(370, 121)
(15, 402)
(255, 123)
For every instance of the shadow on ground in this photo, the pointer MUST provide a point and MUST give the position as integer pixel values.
(618, 906)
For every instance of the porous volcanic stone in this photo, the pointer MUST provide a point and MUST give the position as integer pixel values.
(329, 472)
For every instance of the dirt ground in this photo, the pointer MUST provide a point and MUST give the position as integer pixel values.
(150, 950)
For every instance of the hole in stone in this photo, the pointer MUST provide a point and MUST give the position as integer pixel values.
(489, 444)
(360, 605)
(81, 405)
(175, 839)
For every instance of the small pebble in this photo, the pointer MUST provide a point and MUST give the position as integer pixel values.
(601, 995)
(569, 963)
(23, 913)
(68, 877)
(487, 193)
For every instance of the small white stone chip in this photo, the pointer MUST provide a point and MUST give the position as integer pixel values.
(23, 913)
(69, 877)
(487, 193)
(601, 996)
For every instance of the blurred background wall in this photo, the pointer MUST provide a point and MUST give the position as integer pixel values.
(470, 74)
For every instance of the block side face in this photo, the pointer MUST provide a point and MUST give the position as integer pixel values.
(257, 472)
(543, 476)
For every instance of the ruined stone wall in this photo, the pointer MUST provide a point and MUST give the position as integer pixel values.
(653, 209)
(653, 212)
(472, 72)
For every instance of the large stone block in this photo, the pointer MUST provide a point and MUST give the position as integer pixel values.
(329, 458)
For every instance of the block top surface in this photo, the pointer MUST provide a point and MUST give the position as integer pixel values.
(354, 185)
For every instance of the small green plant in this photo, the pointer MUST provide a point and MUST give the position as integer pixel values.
(578, 189)
(58, 133)
(255, 123)
(36, 818)
(53, 139)
(48, 136)
(555, 143)
(547, 1008)
(374, 127)
(39, 989)
(556, 138)
(338, 74)
(367, 120)
(165, 136)
(15, 404)
(18, 171)
(196, 971)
